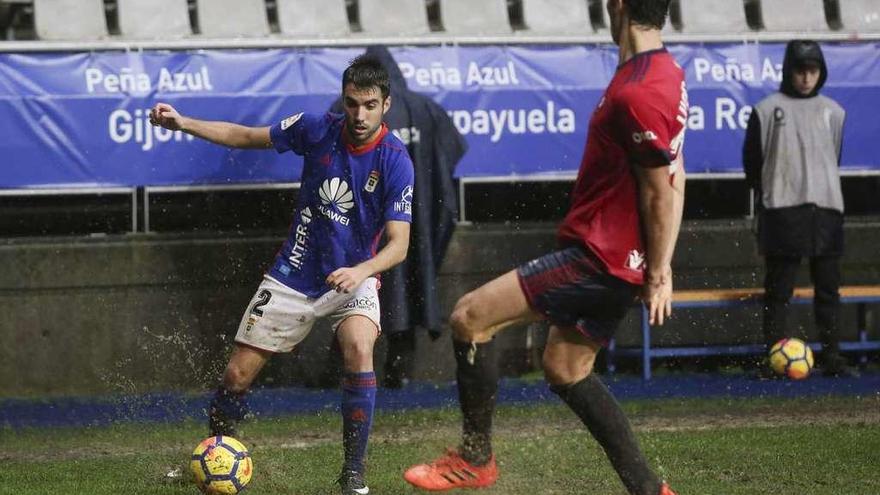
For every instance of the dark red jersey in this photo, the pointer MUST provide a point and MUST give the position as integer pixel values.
(639, 122)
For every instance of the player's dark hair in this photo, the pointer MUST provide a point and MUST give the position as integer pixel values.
(366, 71)
(650, 13)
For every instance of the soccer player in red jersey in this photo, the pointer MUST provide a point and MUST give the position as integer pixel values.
(615, 245)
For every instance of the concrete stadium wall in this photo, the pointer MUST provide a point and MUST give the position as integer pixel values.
(143, 313)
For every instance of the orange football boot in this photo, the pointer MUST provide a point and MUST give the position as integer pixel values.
(451, 471)
(665, 490)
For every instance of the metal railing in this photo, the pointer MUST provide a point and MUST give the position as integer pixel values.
(77, 191)
(463, 183)
(278, 41)
(570, 176)
(148, 190)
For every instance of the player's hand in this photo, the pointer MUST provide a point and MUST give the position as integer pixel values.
(657, 296)
(164, 115)
(346, 279)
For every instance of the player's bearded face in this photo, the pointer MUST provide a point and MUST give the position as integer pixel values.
(364, 110)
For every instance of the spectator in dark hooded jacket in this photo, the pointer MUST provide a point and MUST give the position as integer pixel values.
(791, 157)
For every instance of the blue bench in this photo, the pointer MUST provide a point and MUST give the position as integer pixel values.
(861, 296)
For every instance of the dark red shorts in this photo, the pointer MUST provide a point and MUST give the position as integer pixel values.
(571, 289)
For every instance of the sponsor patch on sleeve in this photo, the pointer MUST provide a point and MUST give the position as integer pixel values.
(289, 121)
(405, 204)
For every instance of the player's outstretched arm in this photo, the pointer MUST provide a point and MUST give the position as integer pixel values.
(661, 202)
(397, 235)
(222, 133)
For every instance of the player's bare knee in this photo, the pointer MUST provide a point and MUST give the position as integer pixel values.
(356, 353)
(236, 379)
(564, 374)
(458, 321)
(554, 373)
(560, 369)
(464, 319)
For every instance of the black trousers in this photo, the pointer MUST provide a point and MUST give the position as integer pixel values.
(779, 287)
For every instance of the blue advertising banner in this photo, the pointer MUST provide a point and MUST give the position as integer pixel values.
(80, 119)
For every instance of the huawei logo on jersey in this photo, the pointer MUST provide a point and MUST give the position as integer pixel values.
(336, 200)
(336, 192)
(635, 260)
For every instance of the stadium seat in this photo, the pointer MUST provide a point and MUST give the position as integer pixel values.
(860, 16)
(475, 18)
(153, 19)
(556, 16)
(793, 15)
(713, 16)
(318, 18)
(393, 17)
(232, 18)
(69, 19)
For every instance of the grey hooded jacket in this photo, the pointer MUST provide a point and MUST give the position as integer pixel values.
(791, 157)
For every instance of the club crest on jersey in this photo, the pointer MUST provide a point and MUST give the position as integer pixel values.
(372, 181)
(289, 121)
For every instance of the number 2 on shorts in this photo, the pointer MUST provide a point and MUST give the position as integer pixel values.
(264, 297)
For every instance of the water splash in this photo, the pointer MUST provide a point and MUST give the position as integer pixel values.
(176, 360)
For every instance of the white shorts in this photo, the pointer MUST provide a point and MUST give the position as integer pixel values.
(278, 317)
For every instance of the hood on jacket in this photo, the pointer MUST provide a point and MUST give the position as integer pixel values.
(395, 76)
(797, 54)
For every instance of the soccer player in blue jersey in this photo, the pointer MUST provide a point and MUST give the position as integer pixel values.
(357, 180)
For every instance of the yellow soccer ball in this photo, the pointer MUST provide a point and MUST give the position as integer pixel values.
(221, 465)
(792, 358)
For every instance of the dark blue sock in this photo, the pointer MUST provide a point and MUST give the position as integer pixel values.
(226, 410)
(358, 401)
